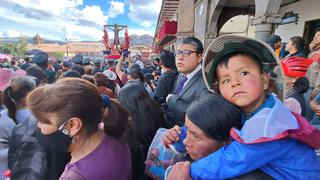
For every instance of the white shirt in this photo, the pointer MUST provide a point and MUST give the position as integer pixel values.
(190, 75)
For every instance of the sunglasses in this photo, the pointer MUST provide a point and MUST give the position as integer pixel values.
(185, 53)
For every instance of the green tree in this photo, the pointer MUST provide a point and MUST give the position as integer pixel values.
(8, 48)
(59, 55)
(15, 49)
(22, 46)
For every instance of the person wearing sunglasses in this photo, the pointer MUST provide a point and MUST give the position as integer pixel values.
(189, 84)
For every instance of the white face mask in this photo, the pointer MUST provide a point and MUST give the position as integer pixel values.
(162, 71)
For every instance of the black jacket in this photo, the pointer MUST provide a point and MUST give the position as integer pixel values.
(178, 104)
(165, 85)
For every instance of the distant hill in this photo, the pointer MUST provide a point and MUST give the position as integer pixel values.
(134, 40)
(29, 39)
(141, 40)
(138, 40)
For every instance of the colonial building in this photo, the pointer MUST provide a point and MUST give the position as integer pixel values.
(142, 50)
(38, 40)
(93, 49)
(207, 19)
(90, 49)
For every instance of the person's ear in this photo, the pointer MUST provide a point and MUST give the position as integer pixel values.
(74, 126)
(200, 58)
(265, 80)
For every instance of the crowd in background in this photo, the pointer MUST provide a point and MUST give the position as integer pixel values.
(96, 118)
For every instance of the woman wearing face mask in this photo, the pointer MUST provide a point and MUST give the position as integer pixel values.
(68, 121)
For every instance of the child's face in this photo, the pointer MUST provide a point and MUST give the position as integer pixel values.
(242, 83)
(197, 143)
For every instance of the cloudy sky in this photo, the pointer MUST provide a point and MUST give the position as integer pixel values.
(76, 19)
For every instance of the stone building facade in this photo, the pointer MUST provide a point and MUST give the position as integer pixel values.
(205, 18)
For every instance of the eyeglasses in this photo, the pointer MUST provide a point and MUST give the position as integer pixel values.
(185, 53)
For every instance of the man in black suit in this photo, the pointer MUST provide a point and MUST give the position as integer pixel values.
(189, 85)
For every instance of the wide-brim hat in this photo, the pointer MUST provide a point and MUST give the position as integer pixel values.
(6, 75)
(110, 75)
(40, 57)
(228, 44)
(4, 58)
(77, 59)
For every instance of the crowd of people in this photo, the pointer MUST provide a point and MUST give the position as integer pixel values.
(237, 113)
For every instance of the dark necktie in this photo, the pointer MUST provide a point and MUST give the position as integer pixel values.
(179, 88)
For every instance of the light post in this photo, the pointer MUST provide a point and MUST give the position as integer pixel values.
(67, 47)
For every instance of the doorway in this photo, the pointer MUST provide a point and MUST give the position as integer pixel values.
(310, 28)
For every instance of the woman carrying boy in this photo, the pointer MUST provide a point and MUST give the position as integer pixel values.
(272, 139)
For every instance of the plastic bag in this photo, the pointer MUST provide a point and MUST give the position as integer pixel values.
(159, 157)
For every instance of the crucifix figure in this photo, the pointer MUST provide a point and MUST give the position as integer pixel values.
(116, 28)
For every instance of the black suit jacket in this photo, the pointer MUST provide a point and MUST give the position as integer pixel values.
(177, 105)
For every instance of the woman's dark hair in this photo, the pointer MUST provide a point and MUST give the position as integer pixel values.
(298, 43)
(89, 78)
(13, 62)
(38, 73)
(134, 66)
(145, 113)
(111, 85)
(13, 96)
(301, 85)
(101, 79)
(27, 59)
(195, 42)
(116, 120)
(68, 98)
(71, 73)
(156, 73)
(167, 59)
(215, 116)
(148, 77)
(136, 74)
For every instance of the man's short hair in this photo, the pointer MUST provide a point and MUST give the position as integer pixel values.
(195, 42)
(167, 59)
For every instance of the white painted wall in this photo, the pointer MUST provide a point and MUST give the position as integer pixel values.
(238, 25)
(307, 9)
